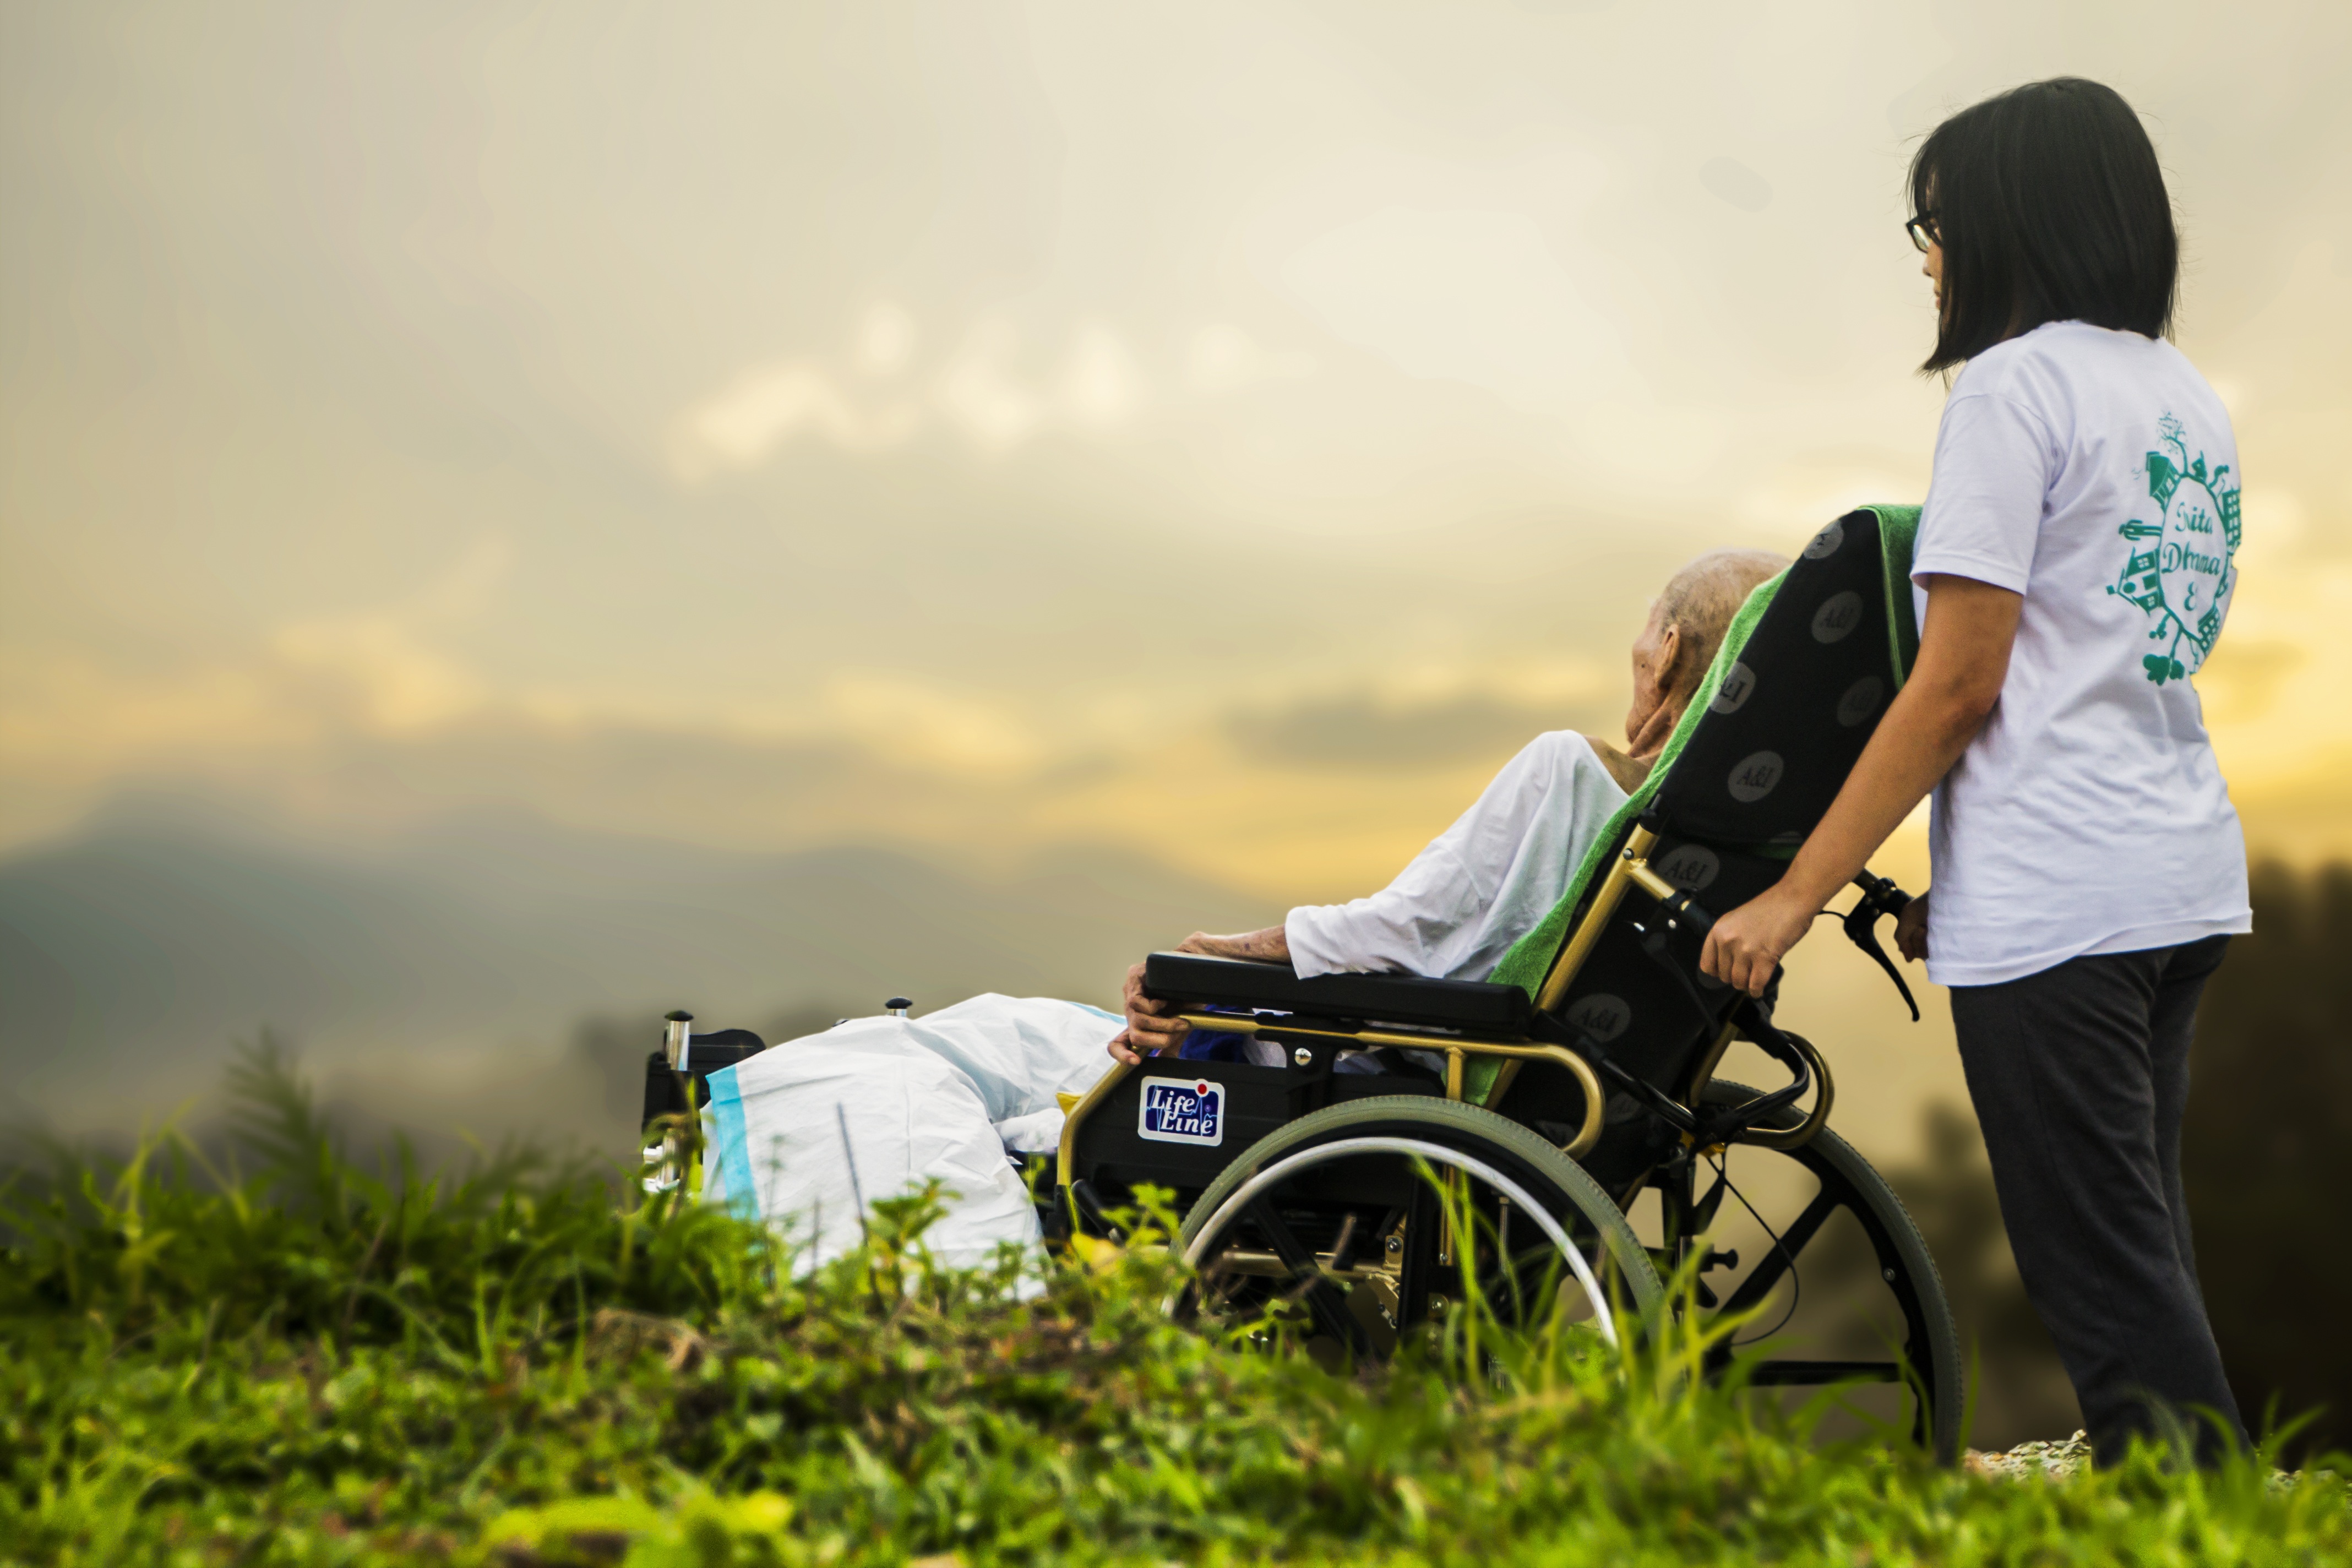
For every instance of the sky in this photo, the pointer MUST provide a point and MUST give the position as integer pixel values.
(1221, 432)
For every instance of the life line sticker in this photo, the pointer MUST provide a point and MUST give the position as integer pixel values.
(1182, 1110)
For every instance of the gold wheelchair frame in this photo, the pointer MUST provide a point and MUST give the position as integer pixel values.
(1629, 871)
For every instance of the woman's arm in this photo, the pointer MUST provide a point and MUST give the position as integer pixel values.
(1963, 661)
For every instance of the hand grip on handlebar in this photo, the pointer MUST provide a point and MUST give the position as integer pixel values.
(1879, 897)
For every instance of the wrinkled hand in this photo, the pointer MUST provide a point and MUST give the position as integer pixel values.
(1911, 929)
(1151, 1027)
(1746, 945)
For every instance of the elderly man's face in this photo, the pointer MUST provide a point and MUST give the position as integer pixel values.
(1656, 653)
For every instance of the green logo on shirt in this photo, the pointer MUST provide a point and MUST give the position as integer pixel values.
(2180, 570)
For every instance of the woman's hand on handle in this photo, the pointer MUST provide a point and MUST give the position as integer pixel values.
(1911, 929)
(1744, 947)
(1963, 662)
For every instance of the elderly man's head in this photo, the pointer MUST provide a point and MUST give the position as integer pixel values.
(1685, 626)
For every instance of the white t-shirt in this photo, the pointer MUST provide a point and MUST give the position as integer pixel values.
(2095, 472)
(1482, 884)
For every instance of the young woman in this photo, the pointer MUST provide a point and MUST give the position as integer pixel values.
(2074, 569)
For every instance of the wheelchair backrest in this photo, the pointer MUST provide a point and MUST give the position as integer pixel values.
(1795, 705)
(1794, 697)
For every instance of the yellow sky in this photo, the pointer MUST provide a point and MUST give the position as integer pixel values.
(1225, 431)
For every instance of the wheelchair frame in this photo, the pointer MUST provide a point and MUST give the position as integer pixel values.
(1711, 1115)
(1704, 1118)
(1630, 870)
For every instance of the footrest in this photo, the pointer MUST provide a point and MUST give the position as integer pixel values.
(1186, 977)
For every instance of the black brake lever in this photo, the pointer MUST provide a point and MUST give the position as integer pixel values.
(1879, 897)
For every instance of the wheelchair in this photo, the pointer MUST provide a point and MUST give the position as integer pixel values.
(1510, 1129)
(1545, 1111)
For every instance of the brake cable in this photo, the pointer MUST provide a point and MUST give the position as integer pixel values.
(1795, 1276)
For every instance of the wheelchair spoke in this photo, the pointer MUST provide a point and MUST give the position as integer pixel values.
(1853, 1241)
(1383, 1214)
(1776, 1261)
(1417, 1269)
(1325, 1301)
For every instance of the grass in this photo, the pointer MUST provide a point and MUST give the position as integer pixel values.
(271, 1357)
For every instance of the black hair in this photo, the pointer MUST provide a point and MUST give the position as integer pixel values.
(2050, 206)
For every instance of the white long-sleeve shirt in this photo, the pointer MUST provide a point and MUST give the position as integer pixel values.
(1482, 884)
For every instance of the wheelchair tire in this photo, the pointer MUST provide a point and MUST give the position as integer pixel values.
(1610, 1249)
(1932, 1347)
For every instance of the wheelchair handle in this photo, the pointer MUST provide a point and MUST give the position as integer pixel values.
(1881, 893)
(1879, 897)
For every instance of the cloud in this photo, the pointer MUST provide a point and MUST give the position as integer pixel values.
(1786, 499)
(1100, 384)
(1471, 295)
(69, 720)
(982, 395)
(913, 725)
(1360, 731)
(887, 340)
(739, 425)
(66, 716)
(879, 396)
(2247, 675)
(1729, 180)
(1249, 317)
(354, 725)
(1221, 357)
(399, 680)
(400, 683)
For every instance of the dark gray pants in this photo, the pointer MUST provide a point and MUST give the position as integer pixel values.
(2080, 1076)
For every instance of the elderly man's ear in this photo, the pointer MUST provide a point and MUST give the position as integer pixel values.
(1657, 701)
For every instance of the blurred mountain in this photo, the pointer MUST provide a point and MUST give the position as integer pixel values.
(475, 947)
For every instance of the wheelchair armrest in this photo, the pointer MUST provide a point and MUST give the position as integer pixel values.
(1391, 998)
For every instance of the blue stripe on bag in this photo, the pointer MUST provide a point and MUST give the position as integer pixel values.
(729, 1142)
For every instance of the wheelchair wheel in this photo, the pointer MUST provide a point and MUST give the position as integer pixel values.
(1877, 1290)
(1331, 1220)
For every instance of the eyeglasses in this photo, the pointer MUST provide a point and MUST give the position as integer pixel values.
(1922, 230)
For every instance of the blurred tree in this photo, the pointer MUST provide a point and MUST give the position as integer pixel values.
(2267, 1151)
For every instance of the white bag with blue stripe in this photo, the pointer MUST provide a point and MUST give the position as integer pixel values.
(803, 1133)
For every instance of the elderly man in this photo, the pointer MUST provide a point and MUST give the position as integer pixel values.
(1486, 880)
(802, 1134)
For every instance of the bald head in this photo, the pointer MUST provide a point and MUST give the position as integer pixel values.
(1699, 601)
(1686, 627)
